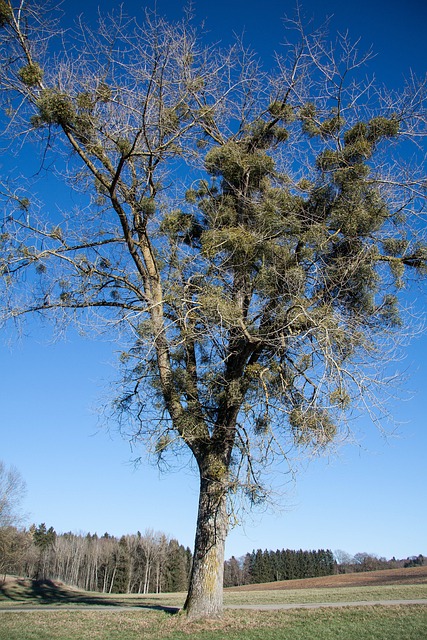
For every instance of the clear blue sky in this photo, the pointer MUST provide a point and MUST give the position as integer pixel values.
(369, 498)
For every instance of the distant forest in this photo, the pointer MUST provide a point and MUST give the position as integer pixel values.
(140, 563)
(271, 566)
(154, 563)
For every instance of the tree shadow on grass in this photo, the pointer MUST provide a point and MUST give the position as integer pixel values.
(48, 592)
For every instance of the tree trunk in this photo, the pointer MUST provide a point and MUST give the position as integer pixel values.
(205, 594)
(112, 579)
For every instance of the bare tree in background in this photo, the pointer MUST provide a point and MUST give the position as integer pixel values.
(12, 541)
(12, 491)
(243, 234)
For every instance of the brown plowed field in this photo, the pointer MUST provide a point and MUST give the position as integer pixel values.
(413, 575)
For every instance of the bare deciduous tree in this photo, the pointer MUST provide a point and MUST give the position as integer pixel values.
(245, 236)
(12, 491)
(12, 541)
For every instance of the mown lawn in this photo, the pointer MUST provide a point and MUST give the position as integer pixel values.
(408, 622)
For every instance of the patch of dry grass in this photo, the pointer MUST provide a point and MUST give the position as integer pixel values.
(78, 625)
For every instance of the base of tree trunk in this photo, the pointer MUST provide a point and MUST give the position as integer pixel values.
(205, 594)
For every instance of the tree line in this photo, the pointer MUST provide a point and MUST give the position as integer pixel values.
(153, 563)
(272, 566)
(362, 562)
(140, 563)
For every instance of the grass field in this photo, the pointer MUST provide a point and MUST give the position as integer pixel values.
(384, 577)
(402, 622)
(407, 622)
(349, 594)
(397, 584)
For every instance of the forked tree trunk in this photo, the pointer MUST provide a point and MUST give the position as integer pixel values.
(205, 594)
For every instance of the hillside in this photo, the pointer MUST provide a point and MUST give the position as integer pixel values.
(412, 575)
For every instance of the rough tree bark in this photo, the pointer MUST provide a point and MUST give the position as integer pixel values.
(205, 595)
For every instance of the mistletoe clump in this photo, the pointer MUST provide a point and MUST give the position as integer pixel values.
(5, 13)
(55, 108)
(31, 74)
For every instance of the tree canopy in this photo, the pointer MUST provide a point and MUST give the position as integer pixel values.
(244, 233)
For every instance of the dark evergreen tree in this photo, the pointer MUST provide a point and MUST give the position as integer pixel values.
(42, 537)
(270, 566)
(177, 570)
(120, 561)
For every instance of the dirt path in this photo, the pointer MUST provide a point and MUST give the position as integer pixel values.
(318, 605)
(254, 607)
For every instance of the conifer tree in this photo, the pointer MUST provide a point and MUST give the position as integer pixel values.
(244, 235)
